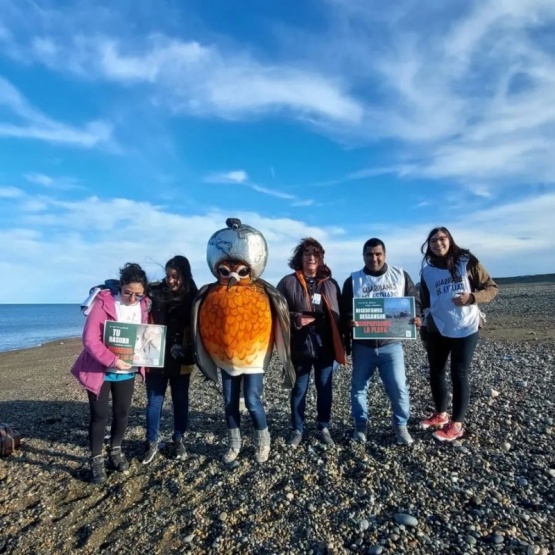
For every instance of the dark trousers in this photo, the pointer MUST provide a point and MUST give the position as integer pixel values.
(122, 393)
(323, 378)
(156, 385)
(461, 350)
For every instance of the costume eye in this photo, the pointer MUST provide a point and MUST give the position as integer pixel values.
(243, 271)
(223, 271)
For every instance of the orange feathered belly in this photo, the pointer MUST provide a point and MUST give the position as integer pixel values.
(235, 325)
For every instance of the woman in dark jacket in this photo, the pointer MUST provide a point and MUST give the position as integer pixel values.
(313, 299)
(172, 300)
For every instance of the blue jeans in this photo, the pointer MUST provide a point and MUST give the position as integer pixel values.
(156, 385)
(390, 362)
(253, 384)
(323, 378)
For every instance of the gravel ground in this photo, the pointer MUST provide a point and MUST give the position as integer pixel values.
(491, 492)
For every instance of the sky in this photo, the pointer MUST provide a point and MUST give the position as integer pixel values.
(130, 131)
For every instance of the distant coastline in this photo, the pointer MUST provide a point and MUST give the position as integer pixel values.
(537, 278)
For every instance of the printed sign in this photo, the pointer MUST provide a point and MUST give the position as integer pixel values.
(136, 344)
(383, 318)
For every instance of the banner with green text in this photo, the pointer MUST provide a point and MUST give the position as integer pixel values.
(383, 318)
(136, 344)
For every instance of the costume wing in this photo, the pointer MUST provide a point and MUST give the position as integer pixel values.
(202, 358)
(282, 331)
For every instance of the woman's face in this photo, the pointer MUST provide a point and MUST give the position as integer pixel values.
(311, 261)
(132, 293)
(174, 281)
(439, 243)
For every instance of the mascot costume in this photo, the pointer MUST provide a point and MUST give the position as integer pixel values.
(236, 323)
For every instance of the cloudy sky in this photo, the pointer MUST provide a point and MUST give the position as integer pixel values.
(130, 130)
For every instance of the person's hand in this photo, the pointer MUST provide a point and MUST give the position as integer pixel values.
(122, 365)
(353, 324)
(462, 299)
(417, 322)
(177, 351)
(304, 320)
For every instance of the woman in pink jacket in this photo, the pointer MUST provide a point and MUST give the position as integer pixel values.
(101, 372)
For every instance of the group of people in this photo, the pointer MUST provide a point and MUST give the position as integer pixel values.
(452, 286)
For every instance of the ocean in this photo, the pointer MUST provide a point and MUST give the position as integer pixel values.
(30, 325)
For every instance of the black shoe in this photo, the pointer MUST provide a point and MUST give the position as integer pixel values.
(180, 451)
(98, 472)
(118, 460)
(150, 453)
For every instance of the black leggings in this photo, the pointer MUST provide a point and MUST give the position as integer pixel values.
(461, 349)
(122, 393)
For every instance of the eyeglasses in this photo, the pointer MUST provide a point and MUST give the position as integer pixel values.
(311, 254)
(130, 295)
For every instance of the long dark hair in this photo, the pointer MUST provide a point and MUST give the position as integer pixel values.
(296, 261)
(183, 268)
(132, 273)
(451, 259)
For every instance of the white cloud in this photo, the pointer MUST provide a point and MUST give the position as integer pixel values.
(58, 183)
(35, 125)
(469, 99)
(273, 193)
(39, 179)
(241, 177)
(234, 176)
(78, 243)
(10, 192)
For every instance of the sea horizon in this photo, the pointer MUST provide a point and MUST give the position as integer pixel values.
(28, 325)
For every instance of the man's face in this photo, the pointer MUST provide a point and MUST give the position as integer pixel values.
(374, 258)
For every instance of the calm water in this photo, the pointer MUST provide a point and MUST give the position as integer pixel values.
(28, 325)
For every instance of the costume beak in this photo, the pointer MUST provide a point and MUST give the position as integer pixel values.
(233, 279)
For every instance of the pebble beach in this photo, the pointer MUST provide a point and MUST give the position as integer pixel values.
(493, 491)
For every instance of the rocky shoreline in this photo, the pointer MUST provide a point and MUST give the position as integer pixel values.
(492, 492)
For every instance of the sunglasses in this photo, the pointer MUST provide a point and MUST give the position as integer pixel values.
(130, 295)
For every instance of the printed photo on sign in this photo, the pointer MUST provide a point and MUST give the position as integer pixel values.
(384, 318)
(136, 344)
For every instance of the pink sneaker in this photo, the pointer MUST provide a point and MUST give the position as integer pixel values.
(450, 432)
(435, 421)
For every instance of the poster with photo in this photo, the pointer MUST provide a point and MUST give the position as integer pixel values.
(383, 318)
(136, 344)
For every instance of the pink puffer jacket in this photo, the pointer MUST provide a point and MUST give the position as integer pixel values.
(91, 365)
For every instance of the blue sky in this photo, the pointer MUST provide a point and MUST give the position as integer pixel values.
(130, 130)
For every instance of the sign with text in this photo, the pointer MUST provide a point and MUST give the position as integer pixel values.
(136, 344)
(383, 318)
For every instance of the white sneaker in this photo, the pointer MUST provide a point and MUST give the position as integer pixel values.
(403, 436)
(230, 455)
(359, 435)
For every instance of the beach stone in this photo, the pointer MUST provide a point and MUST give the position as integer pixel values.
(189, 538)
(407, 520)
(233, 465)
(496, 539)
(375, 550)
(470, 540)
